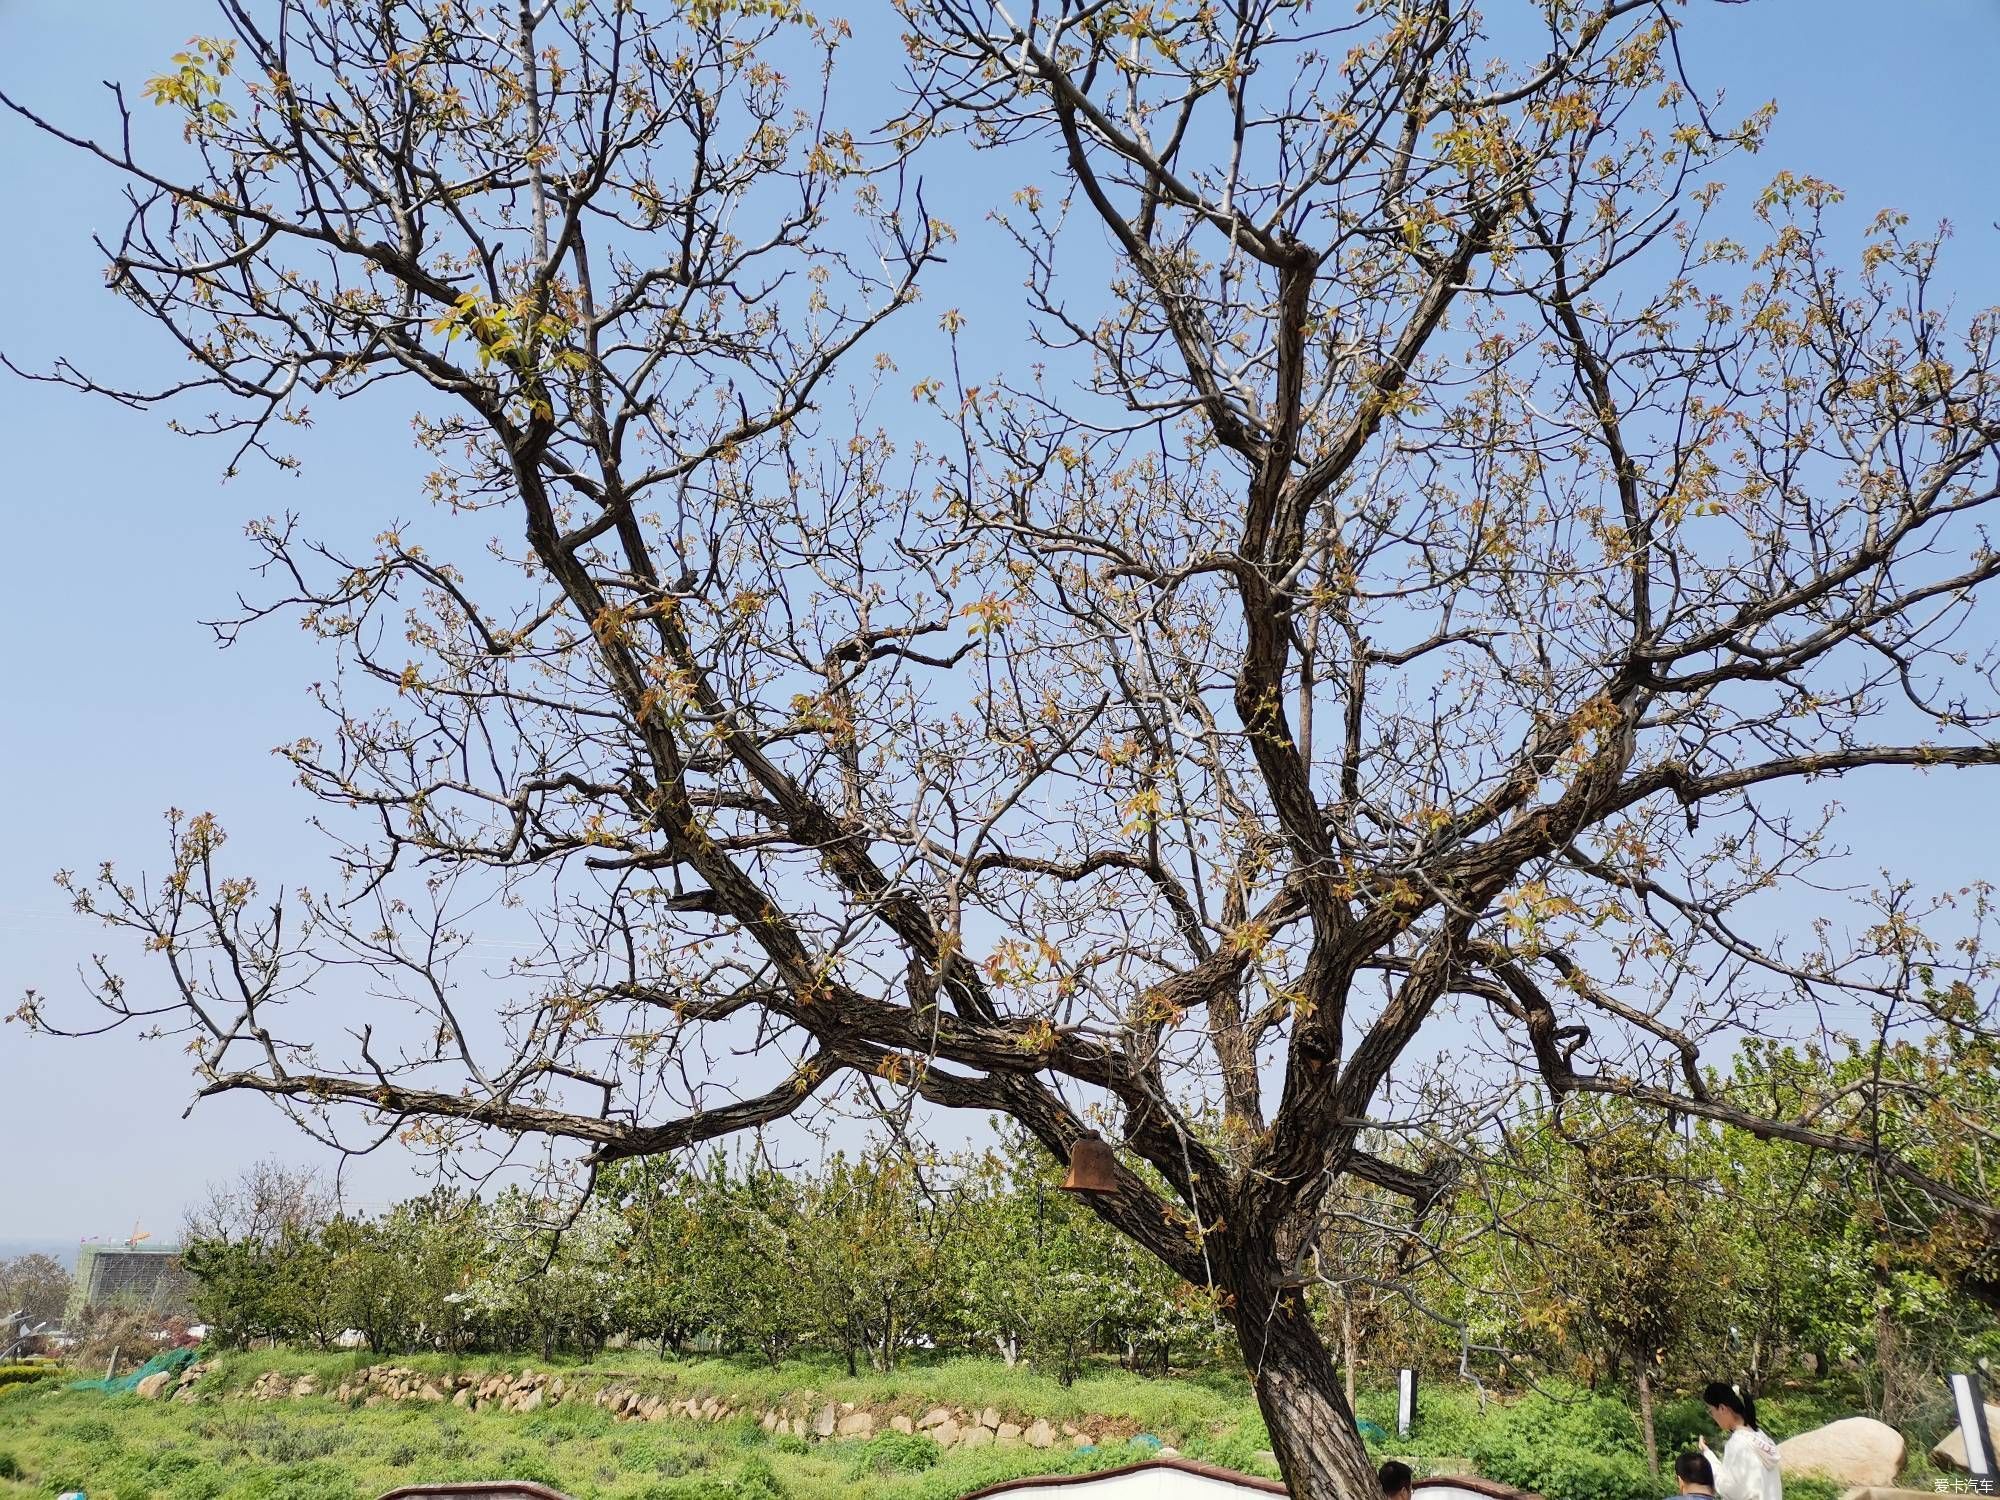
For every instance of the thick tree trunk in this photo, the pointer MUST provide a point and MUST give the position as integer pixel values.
(1312, 1426)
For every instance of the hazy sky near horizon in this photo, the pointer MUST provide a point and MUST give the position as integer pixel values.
(115, 703)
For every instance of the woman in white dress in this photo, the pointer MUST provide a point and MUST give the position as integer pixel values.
(1748, 1466)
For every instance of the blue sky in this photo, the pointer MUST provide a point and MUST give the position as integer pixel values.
(121, 537)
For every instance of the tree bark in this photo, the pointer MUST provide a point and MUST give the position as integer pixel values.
(1318, 1447)
(1347, 1345)
(1646, 1418)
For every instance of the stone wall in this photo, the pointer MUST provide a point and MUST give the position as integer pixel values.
(803, 1416)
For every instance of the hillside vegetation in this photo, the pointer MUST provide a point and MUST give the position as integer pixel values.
(224, 1444)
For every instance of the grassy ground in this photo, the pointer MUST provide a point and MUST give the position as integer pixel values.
(223, 1447)
(227, 1447)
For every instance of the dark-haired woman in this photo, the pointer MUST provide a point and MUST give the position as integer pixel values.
(1748, 1467)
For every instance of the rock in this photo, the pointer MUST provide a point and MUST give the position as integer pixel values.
(429, 1392)
(901, 1423)
(976, 1437)
(769, 1421)
(1854, 1450)
(150, 1388)
(463, 1398)
(990, 1420)
(1084, 1440)
(531, 1402)
(1950, 1454)
(826, 1421)
(305, 1385)
(946, 1434)
(556, 1389)
(937, 1416)
(1168, 1452)
(1040, 1435)
(857, 1424)
(1007, 1432)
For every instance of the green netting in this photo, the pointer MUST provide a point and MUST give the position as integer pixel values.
(174, 1361)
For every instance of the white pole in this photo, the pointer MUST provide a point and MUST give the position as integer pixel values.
(1971, 1403)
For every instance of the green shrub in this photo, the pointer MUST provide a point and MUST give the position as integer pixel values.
(1582, 1448)
(317, 1480)
(650, 1453)
(1677, 1425)
(92, 1432)
(284, 1440)
(203, 1481)
(10, 1466)
(1812, 1489)
(756, 1480)
(896, 1453)
(568, 1421)
(753, 1481)
(703, 1487)
(1241, 1447)
(517, 1462)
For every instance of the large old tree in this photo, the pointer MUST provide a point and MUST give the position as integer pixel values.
(1400, 612)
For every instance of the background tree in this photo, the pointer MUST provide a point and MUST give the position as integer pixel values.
(262, 1205)
(1400, 616)
(1630, 1248)
(253, 1247)
(871, 1245)
(665, 1291)
(35, 1286)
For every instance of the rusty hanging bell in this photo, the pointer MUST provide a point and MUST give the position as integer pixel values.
(1092, 1166)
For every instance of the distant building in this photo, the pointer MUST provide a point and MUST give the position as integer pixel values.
(148, 1276)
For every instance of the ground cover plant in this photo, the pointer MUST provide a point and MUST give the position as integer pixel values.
(1566, 1443)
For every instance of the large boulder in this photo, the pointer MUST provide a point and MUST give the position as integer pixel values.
(152, 1385)
(1854, 1450)
(1950, 1454)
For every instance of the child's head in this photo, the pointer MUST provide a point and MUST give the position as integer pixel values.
(1693, 1471)
(1395, 1479)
